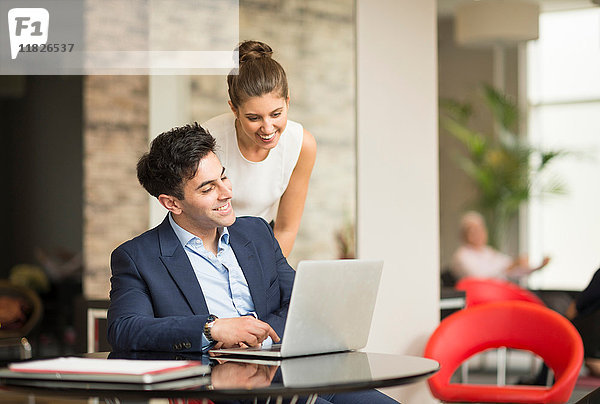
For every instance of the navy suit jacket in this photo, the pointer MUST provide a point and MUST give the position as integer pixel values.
(156, 302)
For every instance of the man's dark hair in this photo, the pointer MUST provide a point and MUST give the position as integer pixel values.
(173, 159)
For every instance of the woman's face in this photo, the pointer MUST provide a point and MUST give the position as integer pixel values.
(262, 120)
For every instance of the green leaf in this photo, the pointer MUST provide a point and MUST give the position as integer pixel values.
(506, 169)
(474, 142)
(504, 110)
(459, 111)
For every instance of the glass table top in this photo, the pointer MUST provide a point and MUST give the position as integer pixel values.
(245, 378)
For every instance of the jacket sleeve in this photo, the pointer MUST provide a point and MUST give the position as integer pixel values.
(589, 299)
(286, 275)
(132, 325)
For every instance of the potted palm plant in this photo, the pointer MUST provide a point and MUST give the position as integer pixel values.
(505, 168)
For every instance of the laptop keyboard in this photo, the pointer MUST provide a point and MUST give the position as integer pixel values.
(272, 348)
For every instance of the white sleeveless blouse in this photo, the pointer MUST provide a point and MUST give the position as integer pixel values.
(257, 186)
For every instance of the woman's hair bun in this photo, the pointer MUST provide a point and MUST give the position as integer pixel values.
(258, 74)
(250, 50)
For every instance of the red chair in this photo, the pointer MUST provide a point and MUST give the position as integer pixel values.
(512, 324)
(480, 291)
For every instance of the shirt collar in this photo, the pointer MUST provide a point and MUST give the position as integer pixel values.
(185, 236)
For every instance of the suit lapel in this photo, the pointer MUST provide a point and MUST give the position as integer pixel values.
(245, 252)
(178, 264)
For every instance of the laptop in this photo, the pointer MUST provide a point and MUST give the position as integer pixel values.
(330, 310)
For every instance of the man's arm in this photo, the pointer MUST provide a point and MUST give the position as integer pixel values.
(132, 325)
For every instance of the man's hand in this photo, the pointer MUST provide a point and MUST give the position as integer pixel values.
(241, 332)
(241, 375)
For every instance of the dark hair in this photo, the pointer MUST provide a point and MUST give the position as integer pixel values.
(173, 159)
(258, 74)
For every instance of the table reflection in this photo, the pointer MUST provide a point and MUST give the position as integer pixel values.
(235, 375)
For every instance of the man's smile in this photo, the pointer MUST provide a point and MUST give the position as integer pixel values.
(225, 207)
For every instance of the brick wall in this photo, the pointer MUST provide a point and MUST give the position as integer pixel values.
(314, 42)
(115, 206)
(115, 132)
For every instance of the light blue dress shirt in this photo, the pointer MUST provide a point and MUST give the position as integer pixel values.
(223, 283)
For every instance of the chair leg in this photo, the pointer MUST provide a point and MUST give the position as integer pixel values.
(533, 366)
(312, 399)
(25, 348)
(550, 377)
(501, 363)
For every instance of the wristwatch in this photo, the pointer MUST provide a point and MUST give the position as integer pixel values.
(210, 321)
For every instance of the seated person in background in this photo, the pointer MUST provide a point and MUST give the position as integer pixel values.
(202, 278)
(584, 312)
(476, 259)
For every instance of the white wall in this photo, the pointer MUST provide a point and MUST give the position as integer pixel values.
(397, 213)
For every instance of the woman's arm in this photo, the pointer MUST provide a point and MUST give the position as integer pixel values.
(291, 204)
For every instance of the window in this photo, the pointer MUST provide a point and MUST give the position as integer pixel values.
(563, 86)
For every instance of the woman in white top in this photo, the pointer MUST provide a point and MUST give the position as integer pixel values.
(268, 158)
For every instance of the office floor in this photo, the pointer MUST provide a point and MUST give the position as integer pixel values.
(489, 377)
(482, 371)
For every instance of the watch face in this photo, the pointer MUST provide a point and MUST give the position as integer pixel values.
(210, 321)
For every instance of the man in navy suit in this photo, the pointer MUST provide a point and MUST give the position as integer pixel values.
(202, 278)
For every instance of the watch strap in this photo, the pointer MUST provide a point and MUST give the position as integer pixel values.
(207, 328)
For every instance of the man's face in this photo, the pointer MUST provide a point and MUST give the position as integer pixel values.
(207, 198)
